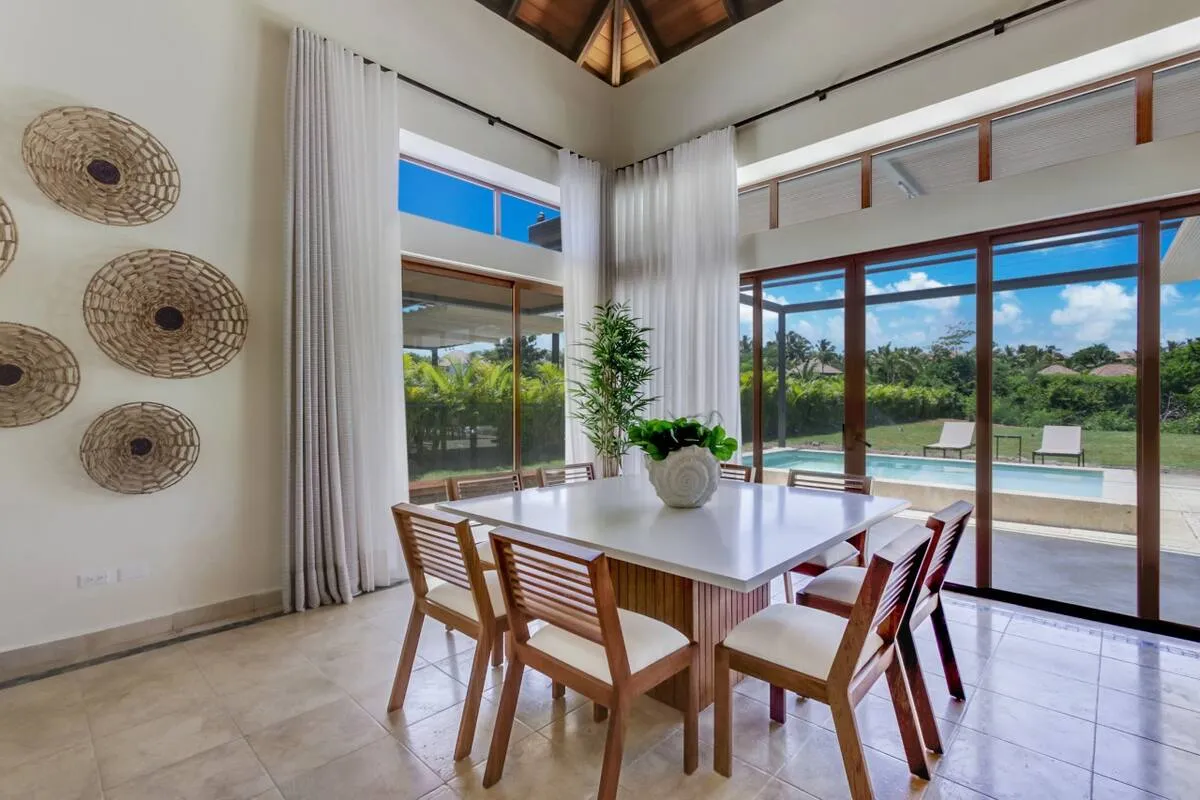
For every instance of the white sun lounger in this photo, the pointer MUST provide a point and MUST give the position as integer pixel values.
(1061, 440)
(957, 436)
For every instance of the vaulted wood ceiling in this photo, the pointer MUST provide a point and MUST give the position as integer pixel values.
(617, 40)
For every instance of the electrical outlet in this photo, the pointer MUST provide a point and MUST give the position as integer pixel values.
(92, 579)
(133, 572)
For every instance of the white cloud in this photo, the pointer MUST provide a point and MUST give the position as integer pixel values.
(1009, 316)
(1007, 294)
(1094, 310)
(1170, 295)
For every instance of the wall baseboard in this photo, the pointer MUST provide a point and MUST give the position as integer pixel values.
(39, 658)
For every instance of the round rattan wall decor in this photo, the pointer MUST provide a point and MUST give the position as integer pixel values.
(100, 165)
(139, 448)
(38, 375)
(166, 314)
(8, 236)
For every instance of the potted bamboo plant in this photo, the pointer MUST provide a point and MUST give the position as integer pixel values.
(612, 396)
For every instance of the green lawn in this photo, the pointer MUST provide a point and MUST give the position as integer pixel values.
(1103, 448)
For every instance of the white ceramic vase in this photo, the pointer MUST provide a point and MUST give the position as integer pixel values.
(686, 478)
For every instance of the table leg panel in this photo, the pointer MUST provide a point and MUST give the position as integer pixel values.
(703, 612)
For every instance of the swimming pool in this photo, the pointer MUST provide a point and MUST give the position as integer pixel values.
(1014, 478)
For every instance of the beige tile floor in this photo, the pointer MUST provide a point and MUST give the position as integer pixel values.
(295, 708)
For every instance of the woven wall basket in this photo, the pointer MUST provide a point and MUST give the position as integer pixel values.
(100, 166)
(38, 375)
(8, 236)
(165, 313)
(139, 448)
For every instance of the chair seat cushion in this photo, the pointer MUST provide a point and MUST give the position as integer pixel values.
(840, 583)
(486, 556)
(459, 600)
(843, 585)
(798, 638)
(646, 641)
(834, 556)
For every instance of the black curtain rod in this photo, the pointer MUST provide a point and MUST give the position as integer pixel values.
(996, 27)
(492, 119)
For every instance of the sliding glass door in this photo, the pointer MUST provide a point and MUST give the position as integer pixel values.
(1075, 431)
(1179, 419)
(803, 363)
(1064, 416)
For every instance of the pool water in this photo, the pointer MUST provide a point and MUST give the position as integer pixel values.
(1015, 478)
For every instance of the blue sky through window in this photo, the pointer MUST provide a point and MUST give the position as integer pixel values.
(1068, 315)
(428, 193)
(517, 214)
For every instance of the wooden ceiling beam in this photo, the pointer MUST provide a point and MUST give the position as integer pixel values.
(589, 31)
(647, 31)
(618, 25)
(640, 27)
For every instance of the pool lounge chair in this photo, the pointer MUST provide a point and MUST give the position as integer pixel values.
(1061, 440)
(955, 436)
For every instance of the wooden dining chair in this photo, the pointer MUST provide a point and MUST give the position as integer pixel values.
(607, 654)
(450, 585)
(483, 486)
(832, 659)
(851, 551)
(737, 472)
(838, 589)
(568, 473)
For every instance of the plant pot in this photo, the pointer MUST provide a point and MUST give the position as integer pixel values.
(686, 478)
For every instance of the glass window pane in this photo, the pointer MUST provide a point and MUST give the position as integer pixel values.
(543, 403)
(925, 167)
(1180, 412)
(1102, 121)
(457, 378)
(1064, 410)
(754, 210)
(821, 194)
(1177, 101)
(446, 198)
(533, 223)
(920, 358)
(804, 326)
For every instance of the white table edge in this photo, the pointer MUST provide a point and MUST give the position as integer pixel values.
(744, 586)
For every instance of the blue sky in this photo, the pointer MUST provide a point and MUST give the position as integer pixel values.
(1071, 316)
(436, 195)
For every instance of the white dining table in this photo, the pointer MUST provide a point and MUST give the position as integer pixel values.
(702, 570)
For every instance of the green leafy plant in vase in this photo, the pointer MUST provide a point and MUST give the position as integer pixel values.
(683, 456)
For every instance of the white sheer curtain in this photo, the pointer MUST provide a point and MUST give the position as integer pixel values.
(586, 199)
(675, 255)
(346, 460)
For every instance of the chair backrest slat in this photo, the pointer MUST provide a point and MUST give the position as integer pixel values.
(438, 544)
(736, 472)
(483, 486)
(564, 585)
(886, 598)
(833, 481)
(948, 526)
(568, 473)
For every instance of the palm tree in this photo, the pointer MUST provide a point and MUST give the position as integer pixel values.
(825, 352)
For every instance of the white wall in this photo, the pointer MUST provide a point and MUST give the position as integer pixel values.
(796, 47)
(207, 79)
(437, 241)
(461, 48)
(1161, 169)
